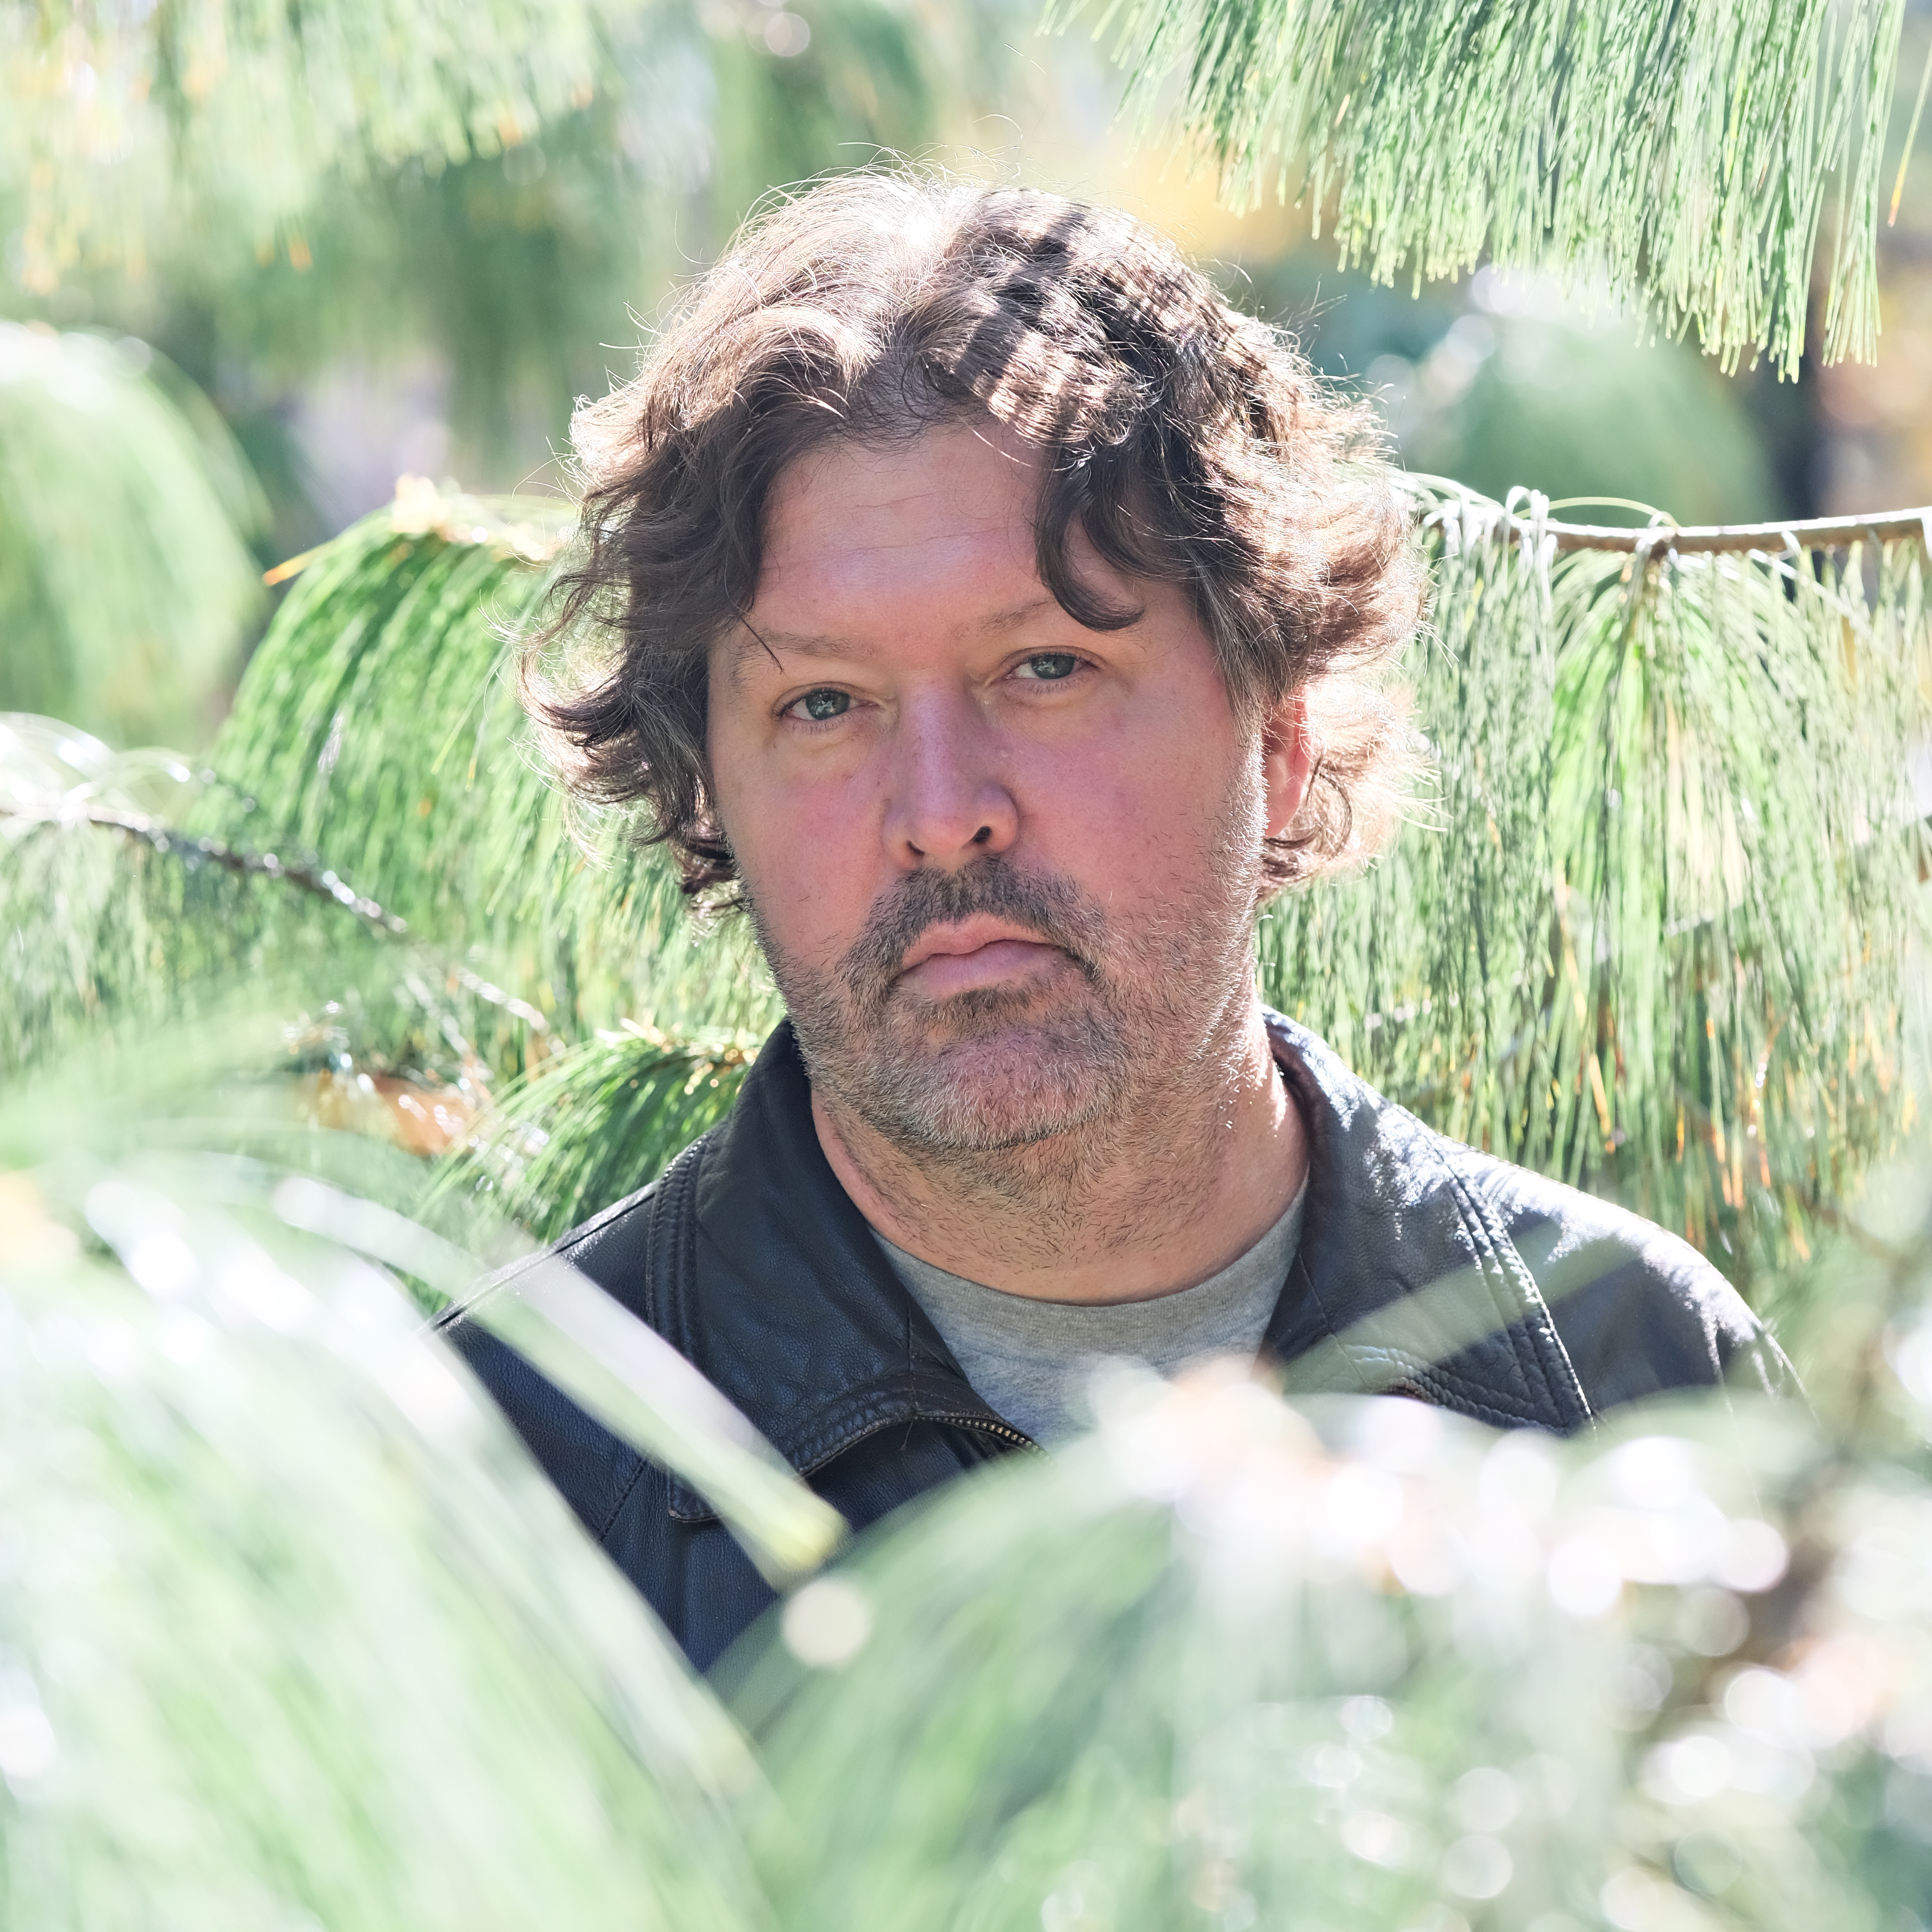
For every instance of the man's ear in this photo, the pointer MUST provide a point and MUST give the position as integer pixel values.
(1287, 761)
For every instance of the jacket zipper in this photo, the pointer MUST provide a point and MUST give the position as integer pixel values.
(988, 1426)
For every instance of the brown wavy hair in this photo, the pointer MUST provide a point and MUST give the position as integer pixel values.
(1190, 442)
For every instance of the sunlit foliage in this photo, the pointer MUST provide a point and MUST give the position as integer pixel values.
(1683, 158)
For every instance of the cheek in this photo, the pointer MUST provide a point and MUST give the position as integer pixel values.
(804, 848)
(1145, 817)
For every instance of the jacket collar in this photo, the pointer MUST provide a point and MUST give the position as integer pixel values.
(768, 1278)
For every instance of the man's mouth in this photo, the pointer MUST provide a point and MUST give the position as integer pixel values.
(973, 953)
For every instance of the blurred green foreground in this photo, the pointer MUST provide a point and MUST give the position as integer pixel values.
(292, 1633)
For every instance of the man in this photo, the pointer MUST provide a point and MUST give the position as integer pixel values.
(1000, 618)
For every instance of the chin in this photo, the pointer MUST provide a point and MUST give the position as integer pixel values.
(1009, 1086)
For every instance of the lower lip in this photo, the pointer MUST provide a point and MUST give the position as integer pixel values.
(1004, 960)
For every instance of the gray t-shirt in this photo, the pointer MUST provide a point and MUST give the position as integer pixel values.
(1029, 1360)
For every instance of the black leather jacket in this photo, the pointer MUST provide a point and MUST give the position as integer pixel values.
(1425, 1268)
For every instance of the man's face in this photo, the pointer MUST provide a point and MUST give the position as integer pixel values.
(1004, 868)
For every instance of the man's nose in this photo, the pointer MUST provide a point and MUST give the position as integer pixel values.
(949, 800)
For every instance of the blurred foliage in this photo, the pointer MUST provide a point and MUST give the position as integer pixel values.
(516, 258)
(1223, 1662)
(1592, 413)
(1683, 157)
(126, 585)
(1497, 382)
(293, 1632)
(122, 119)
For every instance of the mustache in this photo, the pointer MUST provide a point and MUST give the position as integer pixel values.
(1053, 909)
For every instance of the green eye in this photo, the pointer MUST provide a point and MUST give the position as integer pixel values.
(820, 705)
(1051, 666)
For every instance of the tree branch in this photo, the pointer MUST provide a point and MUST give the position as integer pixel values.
(1773, 539)
(322, 883)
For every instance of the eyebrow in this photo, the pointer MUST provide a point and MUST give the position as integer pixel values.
(821, 644)
(1006, 620)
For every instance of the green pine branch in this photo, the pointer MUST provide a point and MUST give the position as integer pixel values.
(595, 1122)
(378, 724)
(1679, 159)
(1649, 931)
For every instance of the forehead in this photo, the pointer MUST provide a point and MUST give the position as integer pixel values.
(860, 534)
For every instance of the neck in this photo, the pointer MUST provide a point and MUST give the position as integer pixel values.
(1166, 1192)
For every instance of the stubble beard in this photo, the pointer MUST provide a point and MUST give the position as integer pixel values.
(1012, 1094)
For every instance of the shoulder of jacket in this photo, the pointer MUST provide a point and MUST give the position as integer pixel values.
(1639, 1309)
(1635, 1310)
(1551, 1222)
(611, 1248)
